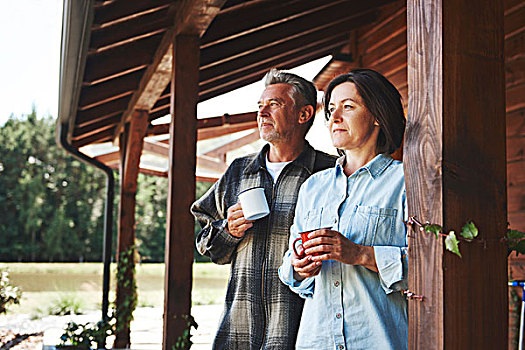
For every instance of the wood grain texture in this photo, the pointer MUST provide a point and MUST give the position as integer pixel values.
(181, 187)
(192, 17)
(455, 54)
(422, 161)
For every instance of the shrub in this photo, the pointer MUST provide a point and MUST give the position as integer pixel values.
(9, 294)
(66, 305)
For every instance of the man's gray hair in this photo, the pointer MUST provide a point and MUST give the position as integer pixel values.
(301, 87)
(303, 91)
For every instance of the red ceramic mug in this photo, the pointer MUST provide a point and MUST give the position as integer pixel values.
(303, 239)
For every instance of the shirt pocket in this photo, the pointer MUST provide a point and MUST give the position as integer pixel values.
(375, 224)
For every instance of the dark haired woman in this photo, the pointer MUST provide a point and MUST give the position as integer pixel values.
(353, 268)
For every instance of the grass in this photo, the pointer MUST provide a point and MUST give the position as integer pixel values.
(48, 286)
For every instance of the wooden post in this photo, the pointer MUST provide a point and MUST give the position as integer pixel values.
(181, 188)
(131, 142)
(455, 170)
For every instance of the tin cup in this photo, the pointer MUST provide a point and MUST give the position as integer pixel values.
(253, 203)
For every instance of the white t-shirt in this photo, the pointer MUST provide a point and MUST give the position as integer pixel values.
(275, 168)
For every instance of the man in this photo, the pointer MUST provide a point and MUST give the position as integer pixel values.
(260, 312)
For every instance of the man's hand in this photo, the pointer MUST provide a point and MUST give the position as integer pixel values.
(304, 267)
(237, 224)
(332, 245)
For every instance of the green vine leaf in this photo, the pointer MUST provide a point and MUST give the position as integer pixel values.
(469, 231)
(433, 228)
(451, 243)
(516, 241)
(515, 234)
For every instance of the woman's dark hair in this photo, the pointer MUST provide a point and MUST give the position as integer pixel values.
(382, 99)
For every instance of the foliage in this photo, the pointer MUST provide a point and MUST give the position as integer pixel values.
(127, 285)
(468, 233)
(66, 305)
(9, 294)
(183, 342)
(87, 335)
(53, 204)
(516, 241)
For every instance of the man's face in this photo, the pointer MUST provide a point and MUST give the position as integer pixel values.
(277, 117)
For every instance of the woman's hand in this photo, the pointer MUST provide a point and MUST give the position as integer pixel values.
(304, 267)
(237, 224)
(326, 244)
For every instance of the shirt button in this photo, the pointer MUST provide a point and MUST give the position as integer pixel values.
(340, 347)
(335, 221)
(338, 315)
(336, 283)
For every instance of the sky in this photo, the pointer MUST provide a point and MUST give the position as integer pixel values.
(30, 56)
(30, 34)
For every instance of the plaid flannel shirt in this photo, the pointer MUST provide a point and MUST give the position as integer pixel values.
(260, 312)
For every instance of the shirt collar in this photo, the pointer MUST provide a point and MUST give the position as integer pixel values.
(306, 159)
(374, 167)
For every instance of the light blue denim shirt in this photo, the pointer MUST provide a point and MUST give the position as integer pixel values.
(346, 306)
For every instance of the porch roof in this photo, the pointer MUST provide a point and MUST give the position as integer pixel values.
(116, 54)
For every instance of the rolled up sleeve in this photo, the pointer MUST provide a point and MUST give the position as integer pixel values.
(392, 263)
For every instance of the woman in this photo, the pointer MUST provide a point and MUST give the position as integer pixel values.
(354, 267)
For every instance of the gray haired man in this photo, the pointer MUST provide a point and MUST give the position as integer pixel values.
(260, 312)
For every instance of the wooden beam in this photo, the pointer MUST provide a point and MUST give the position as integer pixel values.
(109, 158)
(210, 133)
(226, 120)
(181, 188)
(255, 74)
(455, 51)
(192, 17)
(220, 151)
(131, 150)
(360, 12)
(275, 52)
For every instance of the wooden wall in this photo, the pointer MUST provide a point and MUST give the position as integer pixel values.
(515, 107)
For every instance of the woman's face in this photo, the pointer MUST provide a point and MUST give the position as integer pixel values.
(352, 126)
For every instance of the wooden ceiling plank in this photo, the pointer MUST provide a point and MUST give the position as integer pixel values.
(136, 27)
(262, 15)
(119, 10)
(102, 111)
(219, 71)
(289, 64)
(253, 74)
(96, 138)
(96, 127)
(91, 96)
(120, 59)
(361, 13)
(192, 17)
